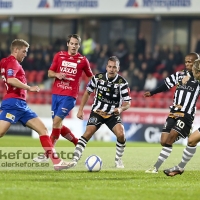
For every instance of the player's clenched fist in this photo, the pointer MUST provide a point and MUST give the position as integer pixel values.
(60, 76)
(34, 88)
(147, 94)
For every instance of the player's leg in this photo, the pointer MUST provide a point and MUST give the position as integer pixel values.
(5, 125)
(82, 142)
(167, 146)
(9, 114)
(188, 153)
(93, 125)
(190, 149)
(166, 130)
(163, 137)
(67, 134)
(118, 130)
(114, 123)
(37, 125)
(94, 122)
(30, 119)
(61, 106)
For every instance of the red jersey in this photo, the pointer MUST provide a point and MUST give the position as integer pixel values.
(10, 68)
(72, 66)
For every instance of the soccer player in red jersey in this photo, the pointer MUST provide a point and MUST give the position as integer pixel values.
(14, 107)
(67, 68)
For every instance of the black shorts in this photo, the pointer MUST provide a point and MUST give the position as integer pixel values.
(97, 120)
(181, 125)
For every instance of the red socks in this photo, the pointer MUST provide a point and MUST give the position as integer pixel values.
(66, 133)
(55, 135)
(49, 149)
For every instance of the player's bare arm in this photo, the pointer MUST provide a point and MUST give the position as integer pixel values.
(125, 106)
(84, 100)
(52, 74)
(17, 83)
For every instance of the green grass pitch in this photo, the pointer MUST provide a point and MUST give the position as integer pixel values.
(110, 183)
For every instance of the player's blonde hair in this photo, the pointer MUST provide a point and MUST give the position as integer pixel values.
(18, 43)
(197, 64)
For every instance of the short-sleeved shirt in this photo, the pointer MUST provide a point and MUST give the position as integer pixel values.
(72, 66)
(10, 68)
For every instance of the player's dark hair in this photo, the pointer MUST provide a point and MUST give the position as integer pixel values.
(194, 54)
(76, 36)
(114, 59)
(19, 43)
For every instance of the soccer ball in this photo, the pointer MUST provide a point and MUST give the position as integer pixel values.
(93, 163)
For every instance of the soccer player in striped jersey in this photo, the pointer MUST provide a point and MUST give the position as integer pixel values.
(112, 97)
(193, 139)
(182, 111)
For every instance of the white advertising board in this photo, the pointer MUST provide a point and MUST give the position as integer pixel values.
(98, 7)
(75, 125)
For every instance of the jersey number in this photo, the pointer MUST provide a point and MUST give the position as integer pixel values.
(4, 79)
(180, 124)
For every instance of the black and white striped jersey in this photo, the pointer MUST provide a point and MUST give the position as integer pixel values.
(185, 96)
(108, 94)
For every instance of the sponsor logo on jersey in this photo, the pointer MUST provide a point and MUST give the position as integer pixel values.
(69, 64)
(102, 88)
(105, 100)
(185, 87)
(10, 116)
(116, 91)
(10, 72)
(64, 85)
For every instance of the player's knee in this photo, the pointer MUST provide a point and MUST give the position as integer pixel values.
(192, 143)
(43, 131)
(162, 143)
(121, 136)
(1, 134)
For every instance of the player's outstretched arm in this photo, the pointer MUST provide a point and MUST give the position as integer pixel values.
(159, 89)
(84, 100)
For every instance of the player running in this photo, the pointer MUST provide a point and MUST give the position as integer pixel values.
(14, 107)
(67, 69)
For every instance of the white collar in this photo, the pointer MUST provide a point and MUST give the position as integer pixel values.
(113, 79)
